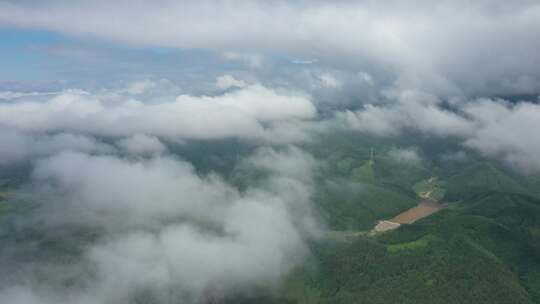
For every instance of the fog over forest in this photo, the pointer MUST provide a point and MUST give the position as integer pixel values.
(201, 151)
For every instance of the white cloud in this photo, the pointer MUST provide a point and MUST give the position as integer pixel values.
(14, 147)
(407, 156)
(367, 78)
(140, 87)
(507, 131)
(238, 113)
(228, 81)
(432, 46)
(304, 61)
(330, 81)
(412, 111)
(137, 191)
(495, 128)
(140, 144)
(292, 162)
(254, 61)
(14, 95)
(170, 231)
(17, 147)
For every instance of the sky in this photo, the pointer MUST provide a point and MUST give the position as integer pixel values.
(419, 43)
(88, 87)
(34, 56)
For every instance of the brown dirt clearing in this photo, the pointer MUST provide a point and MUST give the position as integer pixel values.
(422, 210)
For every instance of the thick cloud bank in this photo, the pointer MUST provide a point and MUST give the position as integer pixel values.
(140, 144)
(169, 233)
(253, 112)
(425, 44)
(102, 164)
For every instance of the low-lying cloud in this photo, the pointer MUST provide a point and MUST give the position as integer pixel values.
(493, 127)
(506, 131)
(168, 232)
(17, 147)
(105, 169)
(140, 144)
(251, 112)
(407, 156)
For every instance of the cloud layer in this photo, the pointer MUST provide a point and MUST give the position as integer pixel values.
(105, 162)
(494, 127)
(253, 112)
(193, 237)
(425, 45)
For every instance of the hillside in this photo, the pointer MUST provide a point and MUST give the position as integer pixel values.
(486, 250)
(480, 178)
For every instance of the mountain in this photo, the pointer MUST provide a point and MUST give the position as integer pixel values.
(485, 250)
(480, 178)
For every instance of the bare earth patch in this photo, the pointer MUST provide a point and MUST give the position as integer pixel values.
(423, 209)
(383, 226)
